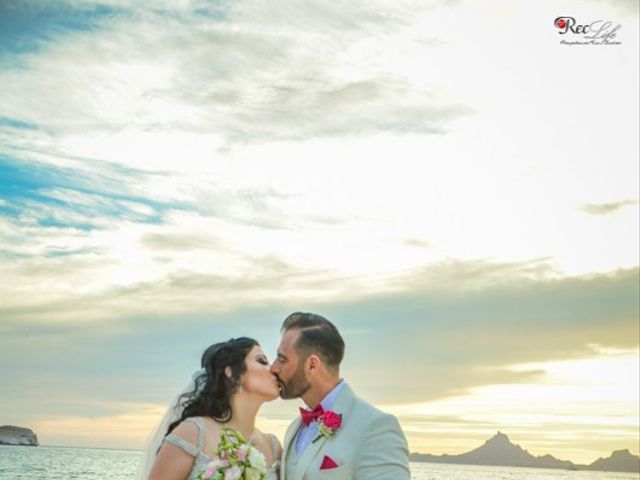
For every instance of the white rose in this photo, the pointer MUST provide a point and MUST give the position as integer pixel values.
(234, 473)
(256, 459)
(251, 474)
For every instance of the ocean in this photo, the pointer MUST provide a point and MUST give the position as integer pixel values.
(68, 463)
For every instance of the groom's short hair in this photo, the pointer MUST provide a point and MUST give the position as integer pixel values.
(317, 336)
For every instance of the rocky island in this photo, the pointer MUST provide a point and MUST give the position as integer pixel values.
(10, 435)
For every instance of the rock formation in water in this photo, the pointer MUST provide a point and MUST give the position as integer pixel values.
(10, 435)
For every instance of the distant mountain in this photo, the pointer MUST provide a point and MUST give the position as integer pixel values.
(498, 451)
(619, 461)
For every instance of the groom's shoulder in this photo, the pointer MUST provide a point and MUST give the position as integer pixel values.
(373, 423)
(366, 410)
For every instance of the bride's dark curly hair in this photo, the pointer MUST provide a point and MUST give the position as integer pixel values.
(213, 388)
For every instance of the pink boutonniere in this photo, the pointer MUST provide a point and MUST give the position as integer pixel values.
(328, 423)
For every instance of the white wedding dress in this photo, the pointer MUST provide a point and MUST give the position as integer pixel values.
(201, 459)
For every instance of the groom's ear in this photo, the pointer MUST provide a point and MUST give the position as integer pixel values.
(313, 362)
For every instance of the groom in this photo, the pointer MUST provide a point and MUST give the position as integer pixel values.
(340, 436)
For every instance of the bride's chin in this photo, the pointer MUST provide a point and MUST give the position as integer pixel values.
(273, 395)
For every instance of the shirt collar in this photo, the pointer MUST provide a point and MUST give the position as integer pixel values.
(330, 399)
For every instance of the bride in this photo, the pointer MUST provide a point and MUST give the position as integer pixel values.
(234, 382)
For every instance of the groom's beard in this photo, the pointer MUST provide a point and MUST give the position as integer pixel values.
(295, 387)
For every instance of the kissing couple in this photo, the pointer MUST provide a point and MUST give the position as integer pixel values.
(209, 432)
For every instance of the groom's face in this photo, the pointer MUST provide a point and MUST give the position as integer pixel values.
(289, 367)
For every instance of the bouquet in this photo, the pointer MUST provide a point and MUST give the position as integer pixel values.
(235, 459)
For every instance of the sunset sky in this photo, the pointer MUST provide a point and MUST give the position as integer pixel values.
(453, 187)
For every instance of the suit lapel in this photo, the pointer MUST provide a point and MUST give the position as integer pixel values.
(289, 439)
(343, 402)
(307, 456)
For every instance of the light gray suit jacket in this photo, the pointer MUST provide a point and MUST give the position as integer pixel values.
(369, 445)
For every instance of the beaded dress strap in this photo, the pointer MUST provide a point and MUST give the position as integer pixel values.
(199, 422)
(275, 445)
(185, 445)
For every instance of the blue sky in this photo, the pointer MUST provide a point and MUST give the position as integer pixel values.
(435, 178)
(28, 26)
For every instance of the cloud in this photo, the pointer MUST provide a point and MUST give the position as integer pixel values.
(607, 208)
(452, 339)
(628, 8)
(177, 241)
(463, 275)
(128, 428)
(416, 242)
(447, 332)
(229, 76)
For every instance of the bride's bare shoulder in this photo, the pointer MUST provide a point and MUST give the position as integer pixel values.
(188, 430)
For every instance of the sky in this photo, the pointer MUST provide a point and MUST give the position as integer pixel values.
(449, 183)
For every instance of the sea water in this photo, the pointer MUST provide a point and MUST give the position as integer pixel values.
(69, 463)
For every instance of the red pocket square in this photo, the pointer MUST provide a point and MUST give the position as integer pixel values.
(328, 463)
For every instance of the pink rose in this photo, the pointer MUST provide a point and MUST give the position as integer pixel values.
(242, 452)
(332, 420)
(212, 468)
